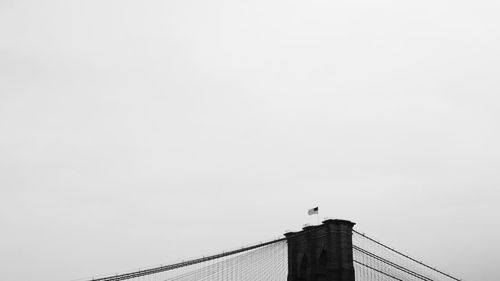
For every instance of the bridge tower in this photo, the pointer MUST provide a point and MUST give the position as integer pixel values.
(321, 252)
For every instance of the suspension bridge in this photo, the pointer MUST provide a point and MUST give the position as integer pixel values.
(330, 251)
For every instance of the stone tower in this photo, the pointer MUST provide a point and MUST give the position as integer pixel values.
(321, 253)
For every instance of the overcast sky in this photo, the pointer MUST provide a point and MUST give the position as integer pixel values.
(134, 133)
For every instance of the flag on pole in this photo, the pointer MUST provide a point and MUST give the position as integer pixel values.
(313, 211)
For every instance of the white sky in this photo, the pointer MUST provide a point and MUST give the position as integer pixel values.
(140, 133)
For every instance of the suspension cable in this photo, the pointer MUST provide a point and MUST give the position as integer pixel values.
(399, 267)
(406, 256)
(159, 269)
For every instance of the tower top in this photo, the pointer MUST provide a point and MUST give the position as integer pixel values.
(321, 252)
(323, 224)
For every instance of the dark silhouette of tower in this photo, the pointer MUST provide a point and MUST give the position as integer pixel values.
(321, 252)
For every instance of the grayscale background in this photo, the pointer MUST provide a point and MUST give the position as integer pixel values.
(134, 133)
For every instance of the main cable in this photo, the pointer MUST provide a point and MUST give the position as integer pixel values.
(406, 256)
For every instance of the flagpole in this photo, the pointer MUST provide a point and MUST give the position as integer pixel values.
(313, 211)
